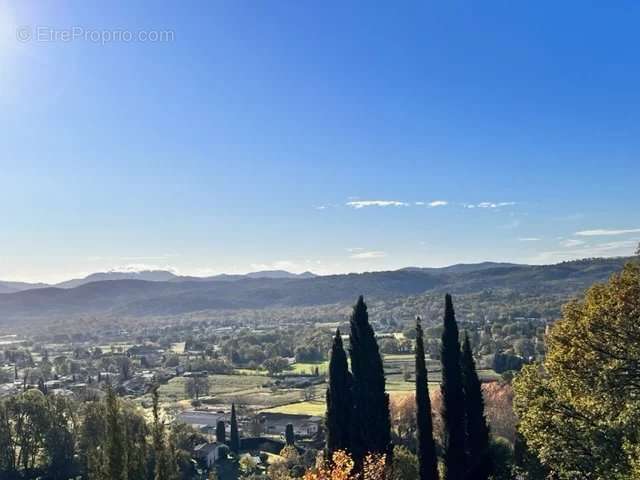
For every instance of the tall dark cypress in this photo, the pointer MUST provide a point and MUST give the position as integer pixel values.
(289, 434)
(428, 461)
(479, 462)
(339, 399)
(221, 436)
(371, 431)
(453, 413)
(234, 436)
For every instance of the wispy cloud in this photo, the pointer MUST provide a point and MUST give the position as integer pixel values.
(529, 239)
(376, 203)
(438, 203)
(602, 232)
(142, 267)
(572, 242)
(618, 248)
(368, 255)
(489, 204)
(277, 265)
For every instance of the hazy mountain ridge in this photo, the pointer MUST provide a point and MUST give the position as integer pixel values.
(147, 275)
(144, 298)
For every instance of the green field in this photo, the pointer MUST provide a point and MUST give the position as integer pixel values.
(309, 368)
(257, 390)
(218, 384)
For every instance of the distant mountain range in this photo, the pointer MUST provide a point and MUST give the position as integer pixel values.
(149, 276)
(163, 293)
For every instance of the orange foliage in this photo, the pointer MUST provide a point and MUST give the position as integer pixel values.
(342, 467)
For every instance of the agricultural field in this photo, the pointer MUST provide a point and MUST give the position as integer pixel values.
(257, 390)
(312, 407)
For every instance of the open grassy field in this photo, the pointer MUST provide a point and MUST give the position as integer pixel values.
(218, 384)
(309, 368)
(312, 407)
(257, 390)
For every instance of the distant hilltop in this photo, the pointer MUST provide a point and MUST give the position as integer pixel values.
(147, 275)
(162, 293)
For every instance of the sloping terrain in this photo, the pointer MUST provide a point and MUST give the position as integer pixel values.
(144, 298)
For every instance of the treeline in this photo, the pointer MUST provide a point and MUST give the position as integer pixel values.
(52, 437)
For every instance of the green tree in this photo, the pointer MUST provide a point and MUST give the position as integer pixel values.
(115, 451)
(428, 460)
(165, 465)
(220, 432)
(275, 365)
(405, 465)
(289, 436)
(578, 410)
(339, 399)
(195, 387)
(60, 438)
(92, 435)
(479, 462)
(234, 436)
(371, 421)
(453, 410)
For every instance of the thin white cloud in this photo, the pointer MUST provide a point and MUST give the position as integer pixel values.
(438, 203)
(278, 265)
(142, 267)
(493, 205)
(529, 239)
(602, 232)
(572, 242)
(368, 255)
(618, 248)
(376, 203)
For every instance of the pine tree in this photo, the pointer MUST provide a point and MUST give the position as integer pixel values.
(339, 399)
(371, 431)
(235, 436)
(453, 413)
(478, 444)
(289, 436)
(221, 436)
(428, 461)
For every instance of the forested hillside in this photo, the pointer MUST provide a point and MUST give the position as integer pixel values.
(486, 291)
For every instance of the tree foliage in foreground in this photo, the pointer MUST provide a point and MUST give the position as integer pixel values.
(580, 410)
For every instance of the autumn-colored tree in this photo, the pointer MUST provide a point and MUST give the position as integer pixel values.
(342, 467)
(577, 410)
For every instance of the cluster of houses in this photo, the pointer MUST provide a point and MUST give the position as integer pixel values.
(266, 429)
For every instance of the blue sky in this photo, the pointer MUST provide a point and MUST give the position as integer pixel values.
(315, 136)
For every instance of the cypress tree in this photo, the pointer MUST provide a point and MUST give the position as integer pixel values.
(453, 413)
(428, 461)
(220, 432)
(289, 436)
(478, 448)
(235, 436)
(339, 399)
(371, 423)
